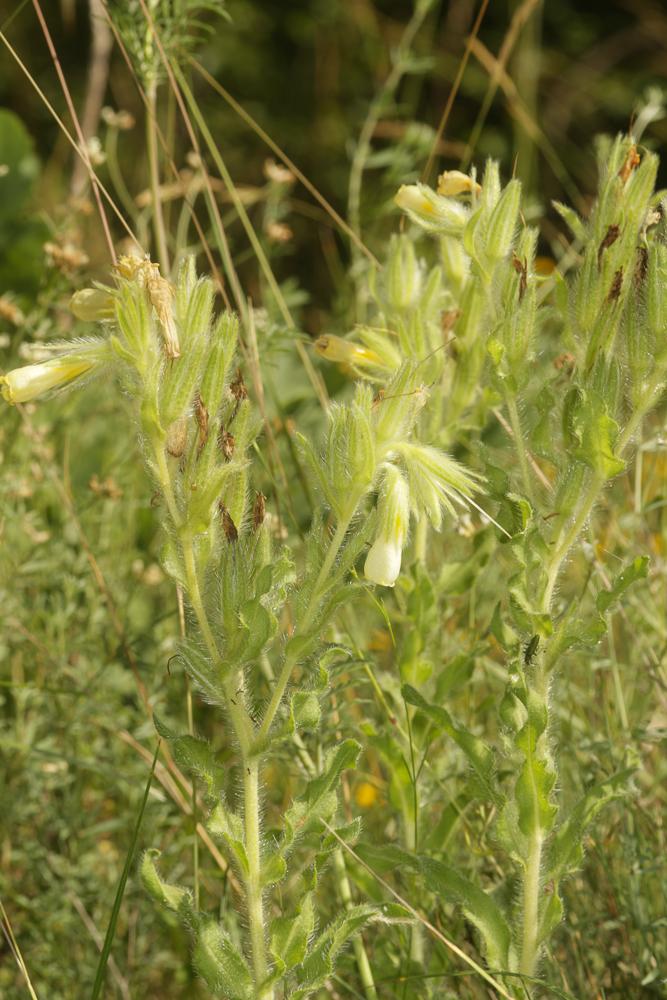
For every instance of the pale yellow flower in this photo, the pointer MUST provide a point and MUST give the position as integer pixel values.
(24, 384)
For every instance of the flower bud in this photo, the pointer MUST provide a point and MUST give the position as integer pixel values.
(453, 182)
(383, 562)
(432, 211)
(92, 305)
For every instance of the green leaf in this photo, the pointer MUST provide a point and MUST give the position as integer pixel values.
(196, 757)
(566, 851)
(174, 897)
(208, 679)
(228, 827)
(637, 570)
(273, 869)
(305, 710)
(479, 754)
(343, 757)
(219, 963)
(386, 857)
(480, 909)
(290, 935)
(319, 964)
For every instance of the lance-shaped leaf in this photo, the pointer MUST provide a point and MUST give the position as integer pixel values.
(479, 754)
(566, 851)
(174, 897)
(319, 800)
(637, 570)
(228, 827)
(319, 964)
(290, 935)
(481, 910)
(195, 756)
(219, 963)
(207, 677)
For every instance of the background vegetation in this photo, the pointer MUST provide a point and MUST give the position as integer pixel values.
(89, 619)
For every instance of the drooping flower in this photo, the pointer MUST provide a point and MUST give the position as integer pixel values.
(383, 562)
(24, 384)
(92, 305)
(432, 211)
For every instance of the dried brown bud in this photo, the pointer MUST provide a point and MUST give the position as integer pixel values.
(160, 294)
(177, 436)
(521, 269)
(226, 443)
(228, 526)
(238, 388)
(641, 268)
(201, 415)
(616, 286)
(258, 511)
(279, 232)
(565, 361)
(448, 319)
(609, 238)
(631, 162)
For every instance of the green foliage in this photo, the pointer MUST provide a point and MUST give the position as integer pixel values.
(401, 592)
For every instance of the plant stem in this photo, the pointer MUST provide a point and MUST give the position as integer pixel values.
(252, 822)
(531, 901)
(154, 176)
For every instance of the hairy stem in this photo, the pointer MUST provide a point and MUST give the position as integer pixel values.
(255, 903)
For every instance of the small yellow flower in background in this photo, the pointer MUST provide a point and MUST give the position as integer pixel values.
(24, 384)
(366, 795)
(453, 182)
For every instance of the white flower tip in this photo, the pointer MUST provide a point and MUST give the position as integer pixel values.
(383, 562)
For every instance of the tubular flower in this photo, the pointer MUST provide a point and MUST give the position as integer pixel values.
(23, 384)
(92, 304)
(346, 351)
(432, 211)
(383, 562)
